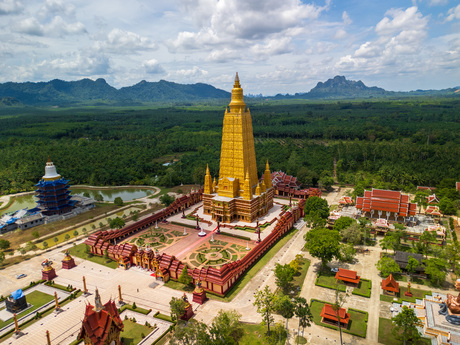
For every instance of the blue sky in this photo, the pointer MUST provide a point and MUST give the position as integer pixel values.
(276, 46)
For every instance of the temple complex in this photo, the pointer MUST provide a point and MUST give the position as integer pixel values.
(238, 194)
(53, 192)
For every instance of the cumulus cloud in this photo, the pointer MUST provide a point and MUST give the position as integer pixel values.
(194, 72)
(453, 13)
(57, 27)
(78, 64)
(400, 34)
(124, 42)
(153, 67)
(272, 47)
(241, 21)
(10, 7)
(222, 55)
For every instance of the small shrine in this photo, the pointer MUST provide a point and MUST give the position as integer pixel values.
(102, 324)
(48, 272)
(68, 261)
(199, 294)
(330, 315)
(16, 302)
(188, 309)
(390, 286)
(347, 276)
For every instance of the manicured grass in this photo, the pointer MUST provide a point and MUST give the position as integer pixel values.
(416, 294)
(132, 332)
(37, 299)
(80, 251)
(163, 317)
(247, 276)
(255, 335)
(327, 279)
(299, 280)
(356, 326)
(387, 337)
(363, 289)
(137, 309)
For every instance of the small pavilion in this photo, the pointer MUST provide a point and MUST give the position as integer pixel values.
(347, 276)
(390, 286)
(329, 315)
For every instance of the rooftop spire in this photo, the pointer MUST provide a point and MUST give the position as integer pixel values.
(97, 301)
(237, 81)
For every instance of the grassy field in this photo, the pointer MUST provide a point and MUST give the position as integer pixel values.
(132, 332)
(364, 288)
(387, 337)
(327, 279)
(80, 252)
(36, 299)
(416, 294)
(255, 335)
(356, 326)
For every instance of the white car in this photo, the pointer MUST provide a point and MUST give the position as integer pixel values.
(22, 275)
(335, 270)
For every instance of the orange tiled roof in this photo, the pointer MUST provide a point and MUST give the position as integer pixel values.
(347, 275)
(390, 284)
(329, 313)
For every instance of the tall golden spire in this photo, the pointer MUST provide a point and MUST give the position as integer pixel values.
(267, 176)
(208, 189)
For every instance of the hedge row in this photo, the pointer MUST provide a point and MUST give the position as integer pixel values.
(369, 287)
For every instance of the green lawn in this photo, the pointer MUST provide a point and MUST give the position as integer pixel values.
(363, 289)
(358, 319)
(37, 299)
(327, 279)
(255, 335)
(416, 294)
(299, 279)
(80, 251)
(240, 284)
(132, 332)
(386, 336)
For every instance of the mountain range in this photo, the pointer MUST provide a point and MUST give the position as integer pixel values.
(86, 91)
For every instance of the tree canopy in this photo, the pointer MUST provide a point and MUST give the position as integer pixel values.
(323, 244)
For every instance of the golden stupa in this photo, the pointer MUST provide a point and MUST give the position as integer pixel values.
(238, 194)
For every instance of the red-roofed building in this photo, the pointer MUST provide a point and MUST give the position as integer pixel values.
(432, 199)
(426, 188)
(386, 202)
(329, 315)
(390, 286)
(347, 276)
(457, 186)
(102, 324)
(346, 200)
(287, 185)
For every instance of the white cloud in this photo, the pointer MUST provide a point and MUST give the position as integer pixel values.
(340, 34)
(194, 72)
(453, 13)
(30, 26)
(410, 19)
(10, 7)
(272, 47)
(222, 55)
(78, 64)
(346, 18)
(124, 42)
(153, 67)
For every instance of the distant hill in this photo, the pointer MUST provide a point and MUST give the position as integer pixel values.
(59, 92)
(341, 88)
(86, 91)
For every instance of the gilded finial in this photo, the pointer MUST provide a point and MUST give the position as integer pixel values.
(237, 81)
(207, 169)
(267, 167)
(49, 159)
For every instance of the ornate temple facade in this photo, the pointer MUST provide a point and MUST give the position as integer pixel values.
(238, 194)
(53, 192)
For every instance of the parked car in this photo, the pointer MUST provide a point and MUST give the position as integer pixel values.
(335, 270)
(22, 275)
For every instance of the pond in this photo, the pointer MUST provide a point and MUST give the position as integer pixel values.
(109, 194)
(20, 202)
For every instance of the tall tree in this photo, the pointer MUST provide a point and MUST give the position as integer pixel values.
(426, 239)
(265, 302)
(184, 277)
(412, 265)
(386, 266)
(4, 244)
(177, 306)
(323, 244)
(285, 307)
(117, 223)
(284, 274)
(303, 313)
(192, 332)
(226, 328)
(405, 328)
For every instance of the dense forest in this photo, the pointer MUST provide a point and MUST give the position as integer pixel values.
(396, 144)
